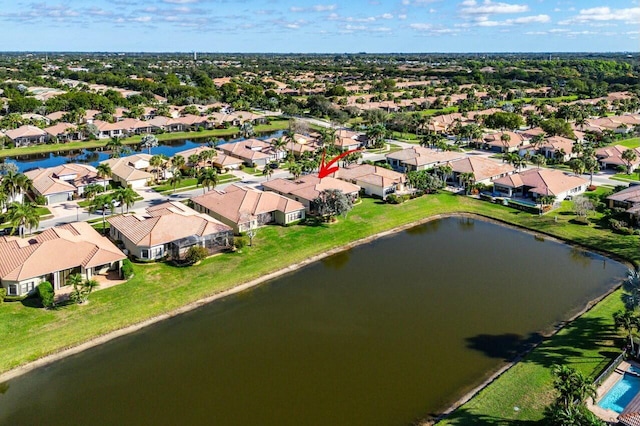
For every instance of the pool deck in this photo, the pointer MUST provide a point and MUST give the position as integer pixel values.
(609, 415)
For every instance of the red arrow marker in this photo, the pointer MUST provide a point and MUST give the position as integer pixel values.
(326, 169)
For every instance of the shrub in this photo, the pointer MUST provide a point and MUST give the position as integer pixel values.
(394, 199)
(3, 293)
(45, 291)
(196, 254)
(239, 242)
(127, 269)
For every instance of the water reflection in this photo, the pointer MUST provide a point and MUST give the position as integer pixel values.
(337, 261)
(465, 223)
(93, 156)
(425, 228)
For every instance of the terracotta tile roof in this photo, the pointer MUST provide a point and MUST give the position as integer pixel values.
(250, 149)
(374, 175)
(63, 178)
(543, 181)
(25, 132)
(125, 167)
(629, 195)
(56, 249)
(165, 223)
(419, 156)
(308, 187)
(482, 168)
(60, 128)
(237, 201)
(494, 139)
(613, 155)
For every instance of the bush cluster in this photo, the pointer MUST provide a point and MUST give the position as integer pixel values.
(127, 269)
(45, 291)
(196, 254)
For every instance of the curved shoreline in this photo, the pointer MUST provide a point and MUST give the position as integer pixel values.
(94, 342)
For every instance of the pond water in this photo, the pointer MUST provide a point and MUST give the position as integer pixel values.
(95, 156)
(382, 334)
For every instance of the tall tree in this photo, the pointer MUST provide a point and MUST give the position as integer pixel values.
(208, 178)
(149, 141)
(629, 156)
(23, 216)
(331, 203)
(126, 197)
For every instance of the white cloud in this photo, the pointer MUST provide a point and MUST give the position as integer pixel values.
(386, 16)
(539, 19)
(421, 26)
(141, 19)
(180, 1)
(603, 14)
(472, 7)
(314, 8)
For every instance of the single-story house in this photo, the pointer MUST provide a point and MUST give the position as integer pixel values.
(374, 180)
(110, 130)
(611, 157)
(245, 208)
(53, 256)
(64, 132)
(27, 135)
(131, 170)
(513, 142)
(556, 146)
(308, 188)
(419, 158)
(61, 183)
(169, 229)
(536, 183)
(628, 199)
(253, 152)
(484, 170)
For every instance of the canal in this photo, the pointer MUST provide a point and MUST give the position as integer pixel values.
(382, 334)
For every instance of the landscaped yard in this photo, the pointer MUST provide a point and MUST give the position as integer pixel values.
(28, 333)
(630, 143)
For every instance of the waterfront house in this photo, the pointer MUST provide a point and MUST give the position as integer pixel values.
(374, 181)
(536, 183)
(253, 152)
(169, 230)
(27, 135)
(62, 183)
(131, 170)
(419, 158)
(484, 170)
(245, 208)
(64, 132)
(628, 199)
(308, 188)
(53, 256)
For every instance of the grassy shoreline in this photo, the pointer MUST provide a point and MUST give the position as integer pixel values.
(71, 146)
(28, 334)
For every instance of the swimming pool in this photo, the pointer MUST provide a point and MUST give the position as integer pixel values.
(621, 393)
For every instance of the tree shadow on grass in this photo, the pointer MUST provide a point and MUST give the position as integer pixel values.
(573, 344)
(464, 417)
(315, 221)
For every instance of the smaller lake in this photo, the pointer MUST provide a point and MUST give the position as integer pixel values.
(383, 334)
(95, 156)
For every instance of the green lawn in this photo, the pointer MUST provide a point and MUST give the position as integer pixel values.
(28, 333)
(629, 143)
(37, 149)
(190, 183)
(625, 177)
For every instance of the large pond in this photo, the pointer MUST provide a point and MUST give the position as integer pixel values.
(382, 334)
(95, 155)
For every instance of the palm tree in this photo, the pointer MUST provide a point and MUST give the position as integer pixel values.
(505, 138)
(125, 196)
(246, 129)
(115, 146)
(178, 162)
(14, 184)
(590, 165)
(103, 170)
(267, 171)
(629, 156)
(149, 141)
(539, 160)
(101, 202)
(573, 387)
(157, 162)
(194, 161)
(21, 215)
(631, 287)
(175, 180)
(376, 134)
(466, 179)
(279, 145)
(445, 171)
(91, 190)
(577, 166)
(296, 170)
(208, 178)
(627, 320)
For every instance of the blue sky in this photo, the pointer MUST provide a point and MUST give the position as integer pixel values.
(312, 26)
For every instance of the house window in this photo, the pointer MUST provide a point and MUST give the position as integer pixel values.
(26, 287)
(144, 254)
(13, 290)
